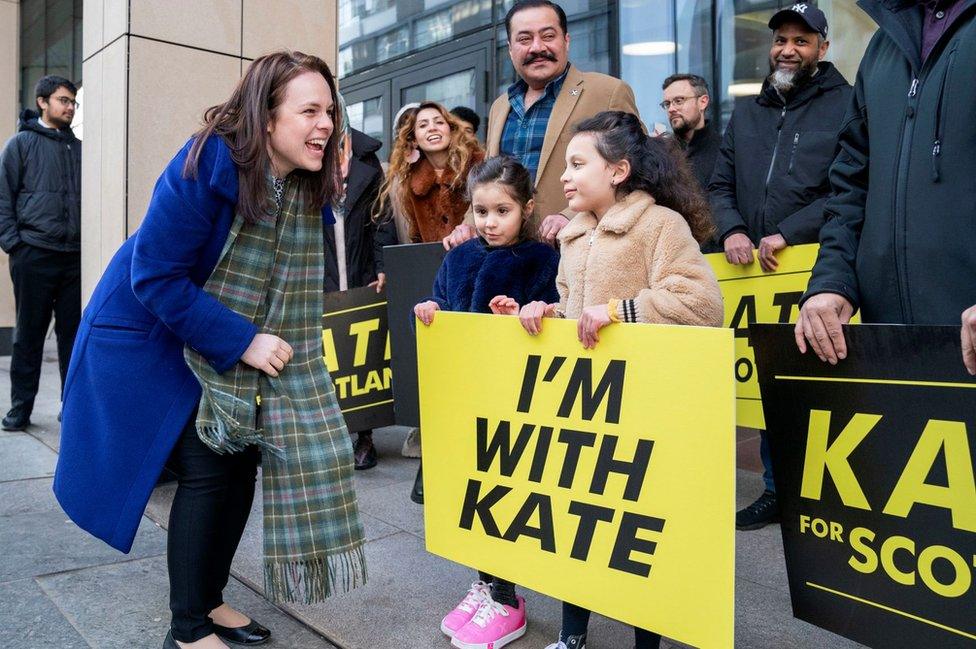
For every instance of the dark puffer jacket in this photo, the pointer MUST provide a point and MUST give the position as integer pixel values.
(40, 188)
(900, 237)
(771, 172)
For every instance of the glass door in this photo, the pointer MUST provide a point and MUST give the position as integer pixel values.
(369, 111)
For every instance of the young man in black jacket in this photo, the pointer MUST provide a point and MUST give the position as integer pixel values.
(900, 243)
(40, 229)
(770, 180)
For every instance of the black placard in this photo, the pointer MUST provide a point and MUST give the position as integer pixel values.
(354, 328)
(873, 462)
(410, 270)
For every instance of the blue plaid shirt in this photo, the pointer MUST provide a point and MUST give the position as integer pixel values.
(525, 130)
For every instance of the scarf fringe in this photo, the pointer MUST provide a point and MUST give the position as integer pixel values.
(314, 580)
(226, 434)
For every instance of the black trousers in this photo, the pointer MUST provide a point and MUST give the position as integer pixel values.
(212, 503)
(577, 618)
(45, 282)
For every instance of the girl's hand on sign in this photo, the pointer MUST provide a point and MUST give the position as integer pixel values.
(503, 305)
(589, 324)
(267, 353)
(532, 314)
(969, 339)
(425, 311)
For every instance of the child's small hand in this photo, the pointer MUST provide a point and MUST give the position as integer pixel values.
(425, 311)
(532, 314)
(503, 305)
(589, 324)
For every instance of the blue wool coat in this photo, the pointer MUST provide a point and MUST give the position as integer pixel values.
(473, 273)
(128, 393)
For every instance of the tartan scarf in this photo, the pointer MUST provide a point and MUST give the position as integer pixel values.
(271, 273)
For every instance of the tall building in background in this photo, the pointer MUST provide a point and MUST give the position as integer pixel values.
(148, 69)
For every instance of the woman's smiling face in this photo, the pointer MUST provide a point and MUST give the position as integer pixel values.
(431, 130)
(302, 125)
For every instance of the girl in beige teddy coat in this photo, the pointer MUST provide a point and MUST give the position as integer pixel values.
(631, 254)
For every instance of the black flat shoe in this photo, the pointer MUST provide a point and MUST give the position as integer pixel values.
(169, 642)
(417, 493)
(251, 634)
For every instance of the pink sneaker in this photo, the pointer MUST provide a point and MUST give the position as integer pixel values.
(492, 627)
(465, 609)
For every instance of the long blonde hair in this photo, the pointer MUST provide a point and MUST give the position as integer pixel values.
(460, 151)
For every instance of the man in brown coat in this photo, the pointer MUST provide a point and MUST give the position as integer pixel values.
(533, 121)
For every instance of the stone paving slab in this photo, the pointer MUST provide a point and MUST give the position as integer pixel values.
(125, 605)
(47, 542)
(30, 620)
(27, 497)
(25, 457)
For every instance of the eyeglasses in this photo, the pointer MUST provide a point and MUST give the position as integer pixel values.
(67, 101)
(677, 102)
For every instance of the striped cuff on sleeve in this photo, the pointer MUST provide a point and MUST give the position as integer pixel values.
(627, 309)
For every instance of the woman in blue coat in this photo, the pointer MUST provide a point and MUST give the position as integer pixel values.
(202, 345)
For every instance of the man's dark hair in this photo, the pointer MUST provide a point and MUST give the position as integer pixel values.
(49, 85)
(468, 115)
(522, 5)
(698, 84)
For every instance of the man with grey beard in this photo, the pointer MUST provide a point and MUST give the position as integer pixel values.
(770, 181)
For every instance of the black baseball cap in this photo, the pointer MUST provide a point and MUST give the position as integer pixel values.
(804, 12)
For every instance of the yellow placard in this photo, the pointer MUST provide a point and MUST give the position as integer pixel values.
(602, 477)
(754, 295)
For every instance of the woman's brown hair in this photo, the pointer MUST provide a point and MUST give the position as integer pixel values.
(656, 167)
(242, 121)
(462, 147)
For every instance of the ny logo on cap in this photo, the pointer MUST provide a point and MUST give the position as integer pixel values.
(800, 7)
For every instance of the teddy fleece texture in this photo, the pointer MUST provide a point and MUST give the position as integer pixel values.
(474, 272)
(434, 207)
(638, 251)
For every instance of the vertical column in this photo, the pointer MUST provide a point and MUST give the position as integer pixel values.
(151, 69)
(9, 104)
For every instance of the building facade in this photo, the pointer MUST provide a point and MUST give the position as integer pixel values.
(149, 69)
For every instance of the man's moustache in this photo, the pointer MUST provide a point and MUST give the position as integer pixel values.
(538, 57)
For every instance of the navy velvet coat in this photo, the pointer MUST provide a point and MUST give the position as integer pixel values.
(128, 393)
(473, 273)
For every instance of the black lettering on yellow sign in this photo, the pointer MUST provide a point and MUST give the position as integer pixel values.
(745, 312)
(511, 453)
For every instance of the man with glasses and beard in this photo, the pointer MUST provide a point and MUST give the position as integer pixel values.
(40, 228)
(770, 181)
(533, 120)
(686, 100)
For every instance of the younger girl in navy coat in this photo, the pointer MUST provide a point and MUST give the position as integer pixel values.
(501, 267)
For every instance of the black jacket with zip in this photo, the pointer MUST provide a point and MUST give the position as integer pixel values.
(900, 237)
(771, 171)
(362, 187)
(40, 188)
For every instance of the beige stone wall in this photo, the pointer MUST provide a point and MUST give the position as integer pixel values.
(9, 104)
(150, 70)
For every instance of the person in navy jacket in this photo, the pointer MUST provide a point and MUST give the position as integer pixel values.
(494, 273)
(130, 397)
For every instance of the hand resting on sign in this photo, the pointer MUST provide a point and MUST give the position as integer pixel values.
(590, 322)
(425, 311)
(820, 324)
(531, 316)
(969, 339)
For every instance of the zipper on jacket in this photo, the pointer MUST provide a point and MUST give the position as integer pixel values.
(772, 161)
(796, 141)
(937, 143)
(899, 222)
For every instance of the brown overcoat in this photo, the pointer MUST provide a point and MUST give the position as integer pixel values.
(434, 207)
(638, 251)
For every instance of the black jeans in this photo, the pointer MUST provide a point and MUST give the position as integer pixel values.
(209, 513)
(576, 619)
(45, 282)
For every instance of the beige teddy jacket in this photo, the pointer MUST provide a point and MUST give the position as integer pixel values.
(641, 253)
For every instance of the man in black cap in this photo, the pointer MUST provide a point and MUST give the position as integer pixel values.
(770, 181)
